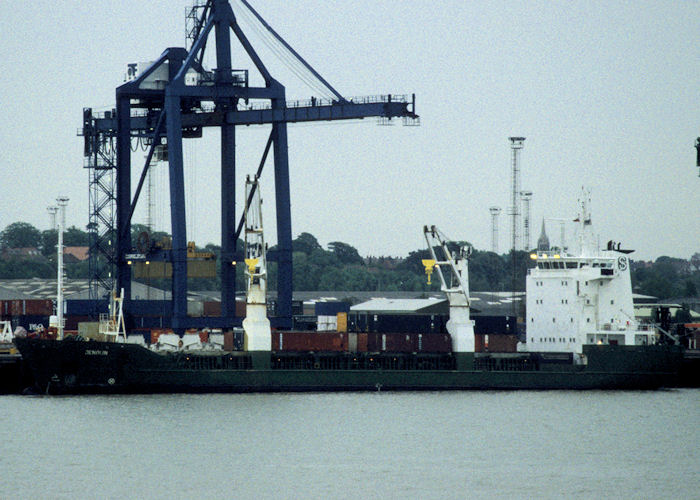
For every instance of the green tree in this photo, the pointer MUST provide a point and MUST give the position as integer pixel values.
(488, 272)
(49, 240)
(16, 269)
(306, 243)
(695, 261)
(345, 253)
(20, 235)
(74, 237)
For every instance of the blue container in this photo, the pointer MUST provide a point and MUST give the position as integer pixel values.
(30, 323)
(151, 308)
(86, 307)
(331, 308)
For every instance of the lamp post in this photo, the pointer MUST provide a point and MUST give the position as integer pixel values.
(62, 201)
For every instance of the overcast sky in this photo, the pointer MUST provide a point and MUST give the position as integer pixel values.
(606, 93)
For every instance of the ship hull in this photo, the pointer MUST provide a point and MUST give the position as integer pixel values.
(75, 367)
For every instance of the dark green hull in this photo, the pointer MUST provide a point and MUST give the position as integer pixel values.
(74, 367)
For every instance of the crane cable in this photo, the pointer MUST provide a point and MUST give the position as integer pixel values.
(285, 56)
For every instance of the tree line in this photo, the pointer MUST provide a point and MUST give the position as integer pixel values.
(339, 266)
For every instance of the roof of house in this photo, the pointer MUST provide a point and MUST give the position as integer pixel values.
(80, 253)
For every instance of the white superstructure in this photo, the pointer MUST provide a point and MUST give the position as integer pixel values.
(573, 300)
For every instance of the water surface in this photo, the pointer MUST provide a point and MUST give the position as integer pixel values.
(527, 444)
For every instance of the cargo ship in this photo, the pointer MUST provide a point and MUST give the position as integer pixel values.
(581, 334)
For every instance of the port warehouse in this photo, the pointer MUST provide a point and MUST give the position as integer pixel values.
(29, 303)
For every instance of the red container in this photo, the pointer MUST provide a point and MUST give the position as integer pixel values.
(392, 342)
(71, 322)
(435, 342)
(309, 341)
(212, 309)
(361, 342)
(502, 343)
(16, 307)
(240, 308)
(203, 337)
(479, 342)
(228, 340)
(38, 307)
(157, 332)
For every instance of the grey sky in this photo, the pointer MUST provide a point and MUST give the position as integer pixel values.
(607, 94)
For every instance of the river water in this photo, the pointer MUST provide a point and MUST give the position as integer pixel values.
(527, 444)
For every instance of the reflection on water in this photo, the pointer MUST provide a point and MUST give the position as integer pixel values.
(354, 445)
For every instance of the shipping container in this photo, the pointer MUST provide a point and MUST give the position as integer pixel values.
(157, 332)
(503, 343)
(495, 343)
(331, 308)
(241, 308)
(494, 324)
(352, 342)
(195, 308)
(309, 341)
(151, 308)
(297, 308)
(72, 322)
(478, 342)
(31, 323)
(397, 323)
(361, 342)
(228, 341)
(238, 339)
(409, 342)
(342, 322)
(17, 308)
(435, 342)
(391, 342)
(234, 340)
(211, 308)
(38, 307)
(86, 307)
(327, 323)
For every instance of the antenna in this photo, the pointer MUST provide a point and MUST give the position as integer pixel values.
(495, 212)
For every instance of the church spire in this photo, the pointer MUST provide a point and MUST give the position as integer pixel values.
(543, 240)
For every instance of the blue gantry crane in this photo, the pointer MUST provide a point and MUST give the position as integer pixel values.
(175, 98)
